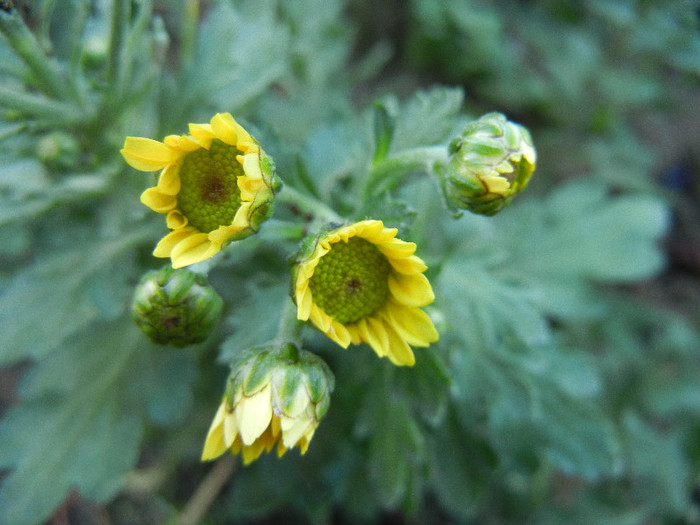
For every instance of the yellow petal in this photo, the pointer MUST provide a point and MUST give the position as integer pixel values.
(202, 132)
(374, 334)
(167, 243)
(320, 319)
(184, 143)
(340, 334)
(253, 415)
(193, 249)
(397, 249)
(243, 135)
(214, 444)
(158, 201)
(252, 452)
(408, 266)
(223, 126)
(240, 220)
(169, 180)
(399, 352)
(230, 429)
(413, 325)
(221, 234)
(368, 228)
(411, 290)
(295, 431)
(304, 300)
(251, 166)
(355, 333)
(496, 184)
(251, 188)
(147, 154)
(175, 220)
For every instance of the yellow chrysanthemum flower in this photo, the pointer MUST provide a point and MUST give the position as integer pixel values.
(276, 397)
(359, 284)
(216, 186)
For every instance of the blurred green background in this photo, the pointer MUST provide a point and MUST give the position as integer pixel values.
(566, 385)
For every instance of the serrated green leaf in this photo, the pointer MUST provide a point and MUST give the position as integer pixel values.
(581, 230)
(33, 307)
(80, 420)
(395, 448)
(460, 468)
(228, 39)
(427, 118)
(484, 309)
(78, 438)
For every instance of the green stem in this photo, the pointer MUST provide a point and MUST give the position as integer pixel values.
(289, 328)
(133, 45)
(307, 204)
(189, 31)
(46, 71)
(390, 171)
(47, 110)
(115, 68)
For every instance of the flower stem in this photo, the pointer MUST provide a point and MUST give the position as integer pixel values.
(120, 17)
(206, 493)
(189, 31)
(308, 204)
(289, 328)
(389, 172)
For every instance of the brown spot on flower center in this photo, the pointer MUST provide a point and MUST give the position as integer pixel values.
(353, 286)
(214, 190)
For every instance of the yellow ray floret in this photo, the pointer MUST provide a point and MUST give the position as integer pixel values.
(216, 185)
(361, 284)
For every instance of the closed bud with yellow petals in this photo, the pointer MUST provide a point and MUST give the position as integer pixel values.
(275, 398)
(490, 162)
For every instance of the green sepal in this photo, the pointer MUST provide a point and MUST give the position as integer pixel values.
(175, 307)
(258, 374)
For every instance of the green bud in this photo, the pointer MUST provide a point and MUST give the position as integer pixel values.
(175, 307)
(59, 150)
(490, 162)
(275, 396)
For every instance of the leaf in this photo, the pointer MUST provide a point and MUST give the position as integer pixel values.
(240, 52)
(396, 448)
(33, 308)
(460, 468)
(581, 230)
(425, 119)
(255, 318)
(335, 152)
(80, 420)
(485, 310)
(540, 402)
(662, 477)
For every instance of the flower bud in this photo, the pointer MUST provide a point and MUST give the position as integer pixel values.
(175, 307)
(59, 150)
(489, 163)
(275, 395)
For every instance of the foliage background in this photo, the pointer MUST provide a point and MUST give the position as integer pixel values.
(565, 385)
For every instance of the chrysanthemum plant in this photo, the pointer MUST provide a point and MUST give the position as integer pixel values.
(369, 275)
(352, 279)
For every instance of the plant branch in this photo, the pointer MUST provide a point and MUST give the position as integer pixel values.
(207, 491)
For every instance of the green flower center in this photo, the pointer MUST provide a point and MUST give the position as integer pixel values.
(209, 196)
(351, 281)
